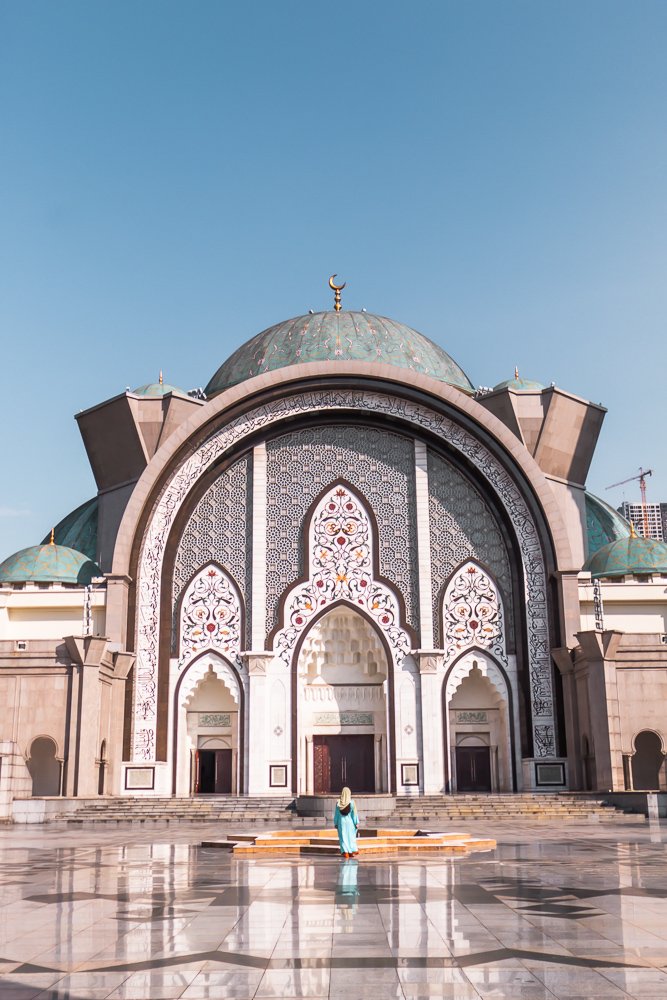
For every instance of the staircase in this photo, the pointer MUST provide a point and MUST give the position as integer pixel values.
(199, 809)
(492, 808)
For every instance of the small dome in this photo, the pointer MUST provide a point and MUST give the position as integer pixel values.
(157, 389)
(603, 523)
(48, 564)
(520, 385)
(338, 336)
(627, 556)
(78, 530)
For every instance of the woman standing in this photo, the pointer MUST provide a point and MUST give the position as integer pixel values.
(346, 822)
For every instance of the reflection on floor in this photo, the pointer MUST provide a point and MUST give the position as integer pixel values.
(574, 912)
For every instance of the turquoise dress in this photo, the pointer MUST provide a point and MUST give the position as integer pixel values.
(347, 829)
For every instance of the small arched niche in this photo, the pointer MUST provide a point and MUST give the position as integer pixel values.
(647, 762)
(479, 730)
(44, 767)
(208, 729)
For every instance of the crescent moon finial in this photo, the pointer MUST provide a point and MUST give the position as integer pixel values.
(337, 289)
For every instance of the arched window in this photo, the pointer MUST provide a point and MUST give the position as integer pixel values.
(44, 767)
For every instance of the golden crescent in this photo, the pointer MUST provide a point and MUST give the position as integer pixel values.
(336, 288)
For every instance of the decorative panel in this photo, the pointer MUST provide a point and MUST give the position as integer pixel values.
(320, 402)
(340, 568)
(462, 527)
(210, 617)
(219, 529)
(379, 464)
(472, 613)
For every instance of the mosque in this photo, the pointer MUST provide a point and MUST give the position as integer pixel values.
(339, 564)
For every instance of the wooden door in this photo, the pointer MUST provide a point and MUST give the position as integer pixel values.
(223, 772)
(321, 765)
(358, 771)
(473, 769)
(344, 760)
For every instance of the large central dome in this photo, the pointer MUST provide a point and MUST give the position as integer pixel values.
(338, 336)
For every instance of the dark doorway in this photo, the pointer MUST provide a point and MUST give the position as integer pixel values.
(647, 761)
(473, 769)
(214, 772)
(44, 767)
(344, 760)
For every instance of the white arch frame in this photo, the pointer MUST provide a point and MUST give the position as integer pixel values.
(193, 675)
(491, 670)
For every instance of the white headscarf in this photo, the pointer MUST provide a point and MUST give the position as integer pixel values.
(345, 798)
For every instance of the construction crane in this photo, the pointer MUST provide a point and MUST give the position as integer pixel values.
(643, 473)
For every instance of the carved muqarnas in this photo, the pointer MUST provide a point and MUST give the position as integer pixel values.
(340, 560)
(210, 616)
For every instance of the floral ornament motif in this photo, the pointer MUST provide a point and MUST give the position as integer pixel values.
(341, 568)
(210, 616)
(472, 613)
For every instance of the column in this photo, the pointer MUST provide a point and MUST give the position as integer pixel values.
(258, 625)
(433, 732)
(423, 547)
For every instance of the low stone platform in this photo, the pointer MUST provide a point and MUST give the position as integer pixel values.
(369, 842)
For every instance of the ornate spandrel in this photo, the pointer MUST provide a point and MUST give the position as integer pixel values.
(340, 563)
(472, 613)
(210, 616)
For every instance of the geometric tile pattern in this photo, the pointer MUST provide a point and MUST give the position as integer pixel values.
(379, 464)
(462, 527)
(219, 530)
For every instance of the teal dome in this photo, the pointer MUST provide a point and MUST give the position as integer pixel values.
(603, 523)
(48, 564)
(520, 385)
(627, 556)
(78, 530)
(338, 336)
(157, 389)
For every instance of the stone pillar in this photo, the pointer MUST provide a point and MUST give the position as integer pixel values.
(599, 650)
(423, 546)
(258, 663)
(431, 674)
(258, 624)
(118, 588)
(86, 652)
(569, 606)
(563, 660)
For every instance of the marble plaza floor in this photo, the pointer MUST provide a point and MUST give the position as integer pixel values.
(578, 911)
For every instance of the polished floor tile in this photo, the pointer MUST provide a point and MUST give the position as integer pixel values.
(576, 913)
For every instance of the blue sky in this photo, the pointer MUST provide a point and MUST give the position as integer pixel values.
(177, 176)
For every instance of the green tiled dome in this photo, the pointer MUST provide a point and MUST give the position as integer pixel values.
(78, 530)
(627, 556)
(48, 564)
(520, 385)
(334, 336)
(604, 524)
(157, 389)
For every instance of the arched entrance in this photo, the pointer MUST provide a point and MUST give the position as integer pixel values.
(478, 726)
(647, 762)
(342, 717)
(44, 766)
(209, 729)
